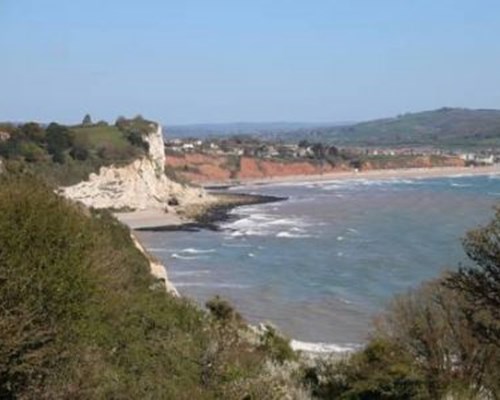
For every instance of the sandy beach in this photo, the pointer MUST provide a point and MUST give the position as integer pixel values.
(415, 173)
(193, 216)
(149, 219)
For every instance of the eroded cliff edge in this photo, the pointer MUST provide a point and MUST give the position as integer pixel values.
(138, 186)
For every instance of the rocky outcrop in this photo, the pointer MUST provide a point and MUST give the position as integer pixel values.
(139, 185)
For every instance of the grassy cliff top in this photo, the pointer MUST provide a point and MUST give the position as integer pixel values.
(100, 135)
(66, 155)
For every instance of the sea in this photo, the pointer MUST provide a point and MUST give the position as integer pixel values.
(321, 265)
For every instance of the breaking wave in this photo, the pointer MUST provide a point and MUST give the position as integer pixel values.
(197, 251)
(181, 257)
(212, 285)
(290, 235)
(254, 222)
(323, 347)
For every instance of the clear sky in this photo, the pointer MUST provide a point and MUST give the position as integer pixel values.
(188, 61)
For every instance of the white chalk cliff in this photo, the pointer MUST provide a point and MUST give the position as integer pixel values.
(139, 185)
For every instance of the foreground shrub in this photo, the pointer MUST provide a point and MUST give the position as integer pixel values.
(222, 310)
(480, 283)
(382, 370)
(81, 316)
(431, 324)
(276, 346)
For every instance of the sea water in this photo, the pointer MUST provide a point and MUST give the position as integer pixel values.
(323, 263)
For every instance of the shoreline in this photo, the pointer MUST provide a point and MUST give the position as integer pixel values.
(195, 217)
(206, 216)
(415, 173)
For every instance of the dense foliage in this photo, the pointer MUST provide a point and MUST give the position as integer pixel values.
(81, 316)
(67, 154)
(480, 284)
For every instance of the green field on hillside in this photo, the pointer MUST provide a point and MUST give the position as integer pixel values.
(446, 127)
(97, 136)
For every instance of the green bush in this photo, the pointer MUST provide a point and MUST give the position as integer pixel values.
(382, 370)
(82, 317)
(222, 310)
(276, 346)
(480, 282)
(431, 324)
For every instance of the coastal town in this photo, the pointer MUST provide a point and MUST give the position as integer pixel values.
(253, 147)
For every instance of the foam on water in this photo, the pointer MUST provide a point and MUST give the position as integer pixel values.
(190, 250)
(254, 222)
(190, 273)
(212, 285)
(310, 347)
(291, 235)
(181, 257)
(454, 184)
(159, 250)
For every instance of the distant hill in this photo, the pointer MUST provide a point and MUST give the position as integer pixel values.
(240, 128)
(443, 127)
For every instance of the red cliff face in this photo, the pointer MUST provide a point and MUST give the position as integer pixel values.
(202, 168)
(252, 168)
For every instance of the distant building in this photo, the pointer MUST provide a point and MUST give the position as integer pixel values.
(489, 160)
(468, 156)
(478, 159)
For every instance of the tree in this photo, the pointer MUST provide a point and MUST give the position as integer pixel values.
(430, 323)
(31, 152)
(481, 283)
(381, 371)
(87, 120)
(304, 144)
(58, 140)
(333, 151)
(33, 131)
(121, 122)
(135, 138)
(79, 152)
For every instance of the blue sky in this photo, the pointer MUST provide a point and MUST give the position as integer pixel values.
(189, 61)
